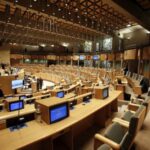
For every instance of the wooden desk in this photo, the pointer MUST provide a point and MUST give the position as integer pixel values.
(40, 135)
(120, 87)
(69, 95)
(27, 110)
(135, 85)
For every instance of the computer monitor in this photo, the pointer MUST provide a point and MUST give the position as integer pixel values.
(87, 98)
(105, 93)
(17, 84)
(22, 97)
(60, 94)
(95, 57)
(16, 105)
(82, 57)
(8, 97)
(58, 112)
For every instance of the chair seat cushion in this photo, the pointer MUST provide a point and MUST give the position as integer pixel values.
(104, 147)
(127, 116)
(115, 132)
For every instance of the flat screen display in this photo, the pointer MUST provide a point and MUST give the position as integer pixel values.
(17, 84)
(87, 98)
(105, 93)
(16, 105)
(9, 97)
(22, 97)
(82, 57)
(60, 94)
(58, 112)
(95, 57)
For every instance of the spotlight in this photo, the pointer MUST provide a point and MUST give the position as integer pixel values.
(128, 25)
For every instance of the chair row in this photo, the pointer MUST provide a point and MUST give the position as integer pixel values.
(122, 132)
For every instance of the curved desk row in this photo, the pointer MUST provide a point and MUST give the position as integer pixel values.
(41, 136)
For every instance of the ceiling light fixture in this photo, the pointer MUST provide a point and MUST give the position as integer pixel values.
(65, 44)
(128, 25)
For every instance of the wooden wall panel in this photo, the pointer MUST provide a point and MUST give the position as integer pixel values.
(5, 54)
(75, 57)
(51, 57)
(5, 84)
(111, 57)
(16, 56)
(118, 56)
(130, 54)
(146, 53)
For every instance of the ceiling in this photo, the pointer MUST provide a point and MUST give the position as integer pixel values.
(144, 4)
(53, 21)
(140, 9)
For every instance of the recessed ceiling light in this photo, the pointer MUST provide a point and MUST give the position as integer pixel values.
(128, 25)
(43, 45)
(76, 9)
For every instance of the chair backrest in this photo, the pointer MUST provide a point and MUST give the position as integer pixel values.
(134, 126)
(146, 103)
(148, 92)
(137, 120)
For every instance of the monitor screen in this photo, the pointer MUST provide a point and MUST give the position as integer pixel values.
(87, 98)
(16, 105)
(105, 93)
(60, 94)
(9, 97)
(17, 84)
(59, 112)
(82, 57)
(22, 97)
(95, 57)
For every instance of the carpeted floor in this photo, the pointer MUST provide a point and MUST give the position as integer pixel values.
(142, 140)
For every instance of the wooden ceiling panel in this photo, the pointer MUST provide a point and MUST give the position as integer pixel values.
(77, 19)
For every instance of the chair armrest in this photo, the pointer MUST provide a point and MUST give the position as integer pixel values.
(140, 99)
(121, 122)
(105, 140)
